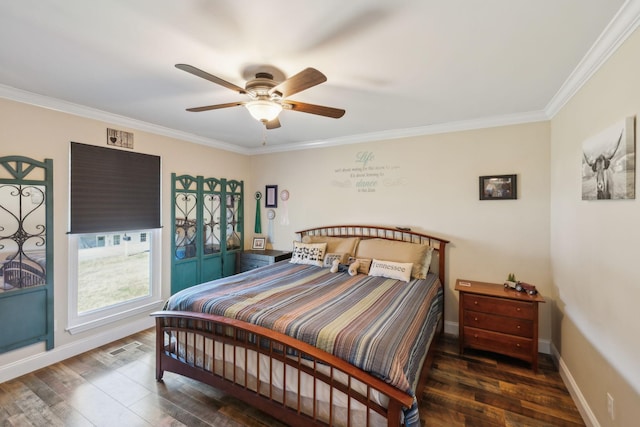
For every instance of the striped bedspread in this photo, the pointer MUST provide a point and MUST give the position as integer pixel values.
(383, 326)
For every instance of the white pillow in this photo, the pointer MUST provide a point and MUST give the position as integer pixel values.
(308, 253)
(396, 251)
(391, 270)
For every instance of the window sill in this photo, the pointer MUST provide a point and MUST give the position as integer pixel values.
(107, 319)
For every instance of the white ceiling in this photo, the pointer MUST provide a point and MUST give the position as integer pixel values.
(398, 67)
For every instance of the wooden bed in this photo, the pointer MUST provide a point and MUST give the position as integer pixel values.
(256, 364)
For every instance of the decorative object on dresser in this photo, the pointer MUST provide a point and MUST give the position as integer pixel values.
(519, 286)
(248, 260)
(498, 319)
(258, 243)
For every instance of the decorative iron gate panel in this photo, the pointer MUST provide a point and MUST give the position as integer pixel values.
(207, 228)
(26, 252)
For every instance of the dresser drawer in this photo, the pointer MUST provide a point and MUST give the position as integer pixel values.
(500, 343)
(501, 306)
(248, 260)
(250, 264)
(491, 322)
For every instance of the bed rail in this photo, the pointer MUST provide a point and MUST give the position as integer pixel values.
(240, 359)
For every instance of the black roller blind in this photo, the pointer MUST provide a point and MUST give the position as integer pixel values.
(113, 190)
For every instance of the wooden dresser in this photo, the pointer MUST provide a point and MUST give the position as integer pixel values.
(248, 260)
(497, 319)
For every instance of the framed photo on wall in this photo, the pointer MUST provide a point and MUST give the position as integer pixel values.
(271, 196)
(498, 187)
(608, 163)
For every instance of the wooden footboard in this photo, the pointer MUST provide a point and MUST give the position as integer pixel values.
(275, 373)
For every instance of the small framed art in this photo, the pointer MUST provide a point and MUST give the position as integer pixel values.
(271, 196)
(498, 187)
(258, 243)
(119, 138)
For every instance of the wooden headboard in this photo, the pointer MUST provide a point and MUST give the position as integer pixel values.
(399, 234)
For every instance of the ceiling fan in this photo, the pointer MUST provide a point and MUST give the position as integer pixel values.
(269, 97)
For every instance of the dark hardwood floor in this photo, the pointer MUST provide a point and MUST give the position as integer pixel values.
(115, 386)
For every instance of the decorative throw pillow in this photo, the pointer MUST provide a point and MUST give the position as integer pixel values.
(308, 253)
(391, 250)
(364, 264)
(391, 270)
(329, 257)
(427, 261)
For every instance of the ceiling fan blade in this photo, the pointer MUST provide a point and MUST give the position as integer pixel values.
(305, 79)
(273, 124)
(320, 110)
(214, 107)
(203, 74)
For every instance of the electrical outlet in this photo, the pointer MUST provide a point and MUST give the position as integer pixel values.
(610, 406)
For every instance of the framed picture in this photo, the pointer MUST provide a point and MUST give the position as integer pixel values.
(258, 243)
(271, 196)
(608, 163)
(119, 138)
(498, 187)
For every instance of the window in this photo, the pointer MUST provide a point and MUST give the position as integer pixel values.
(112, 281)
(115, 195)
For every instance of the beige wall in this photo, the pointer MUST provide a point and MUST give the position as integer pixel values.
(594, 249)
(40, 133)
(581, 255)
(430, 184)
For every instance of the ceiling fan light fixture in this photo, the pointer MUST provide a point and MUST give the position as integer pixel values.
(263, 110)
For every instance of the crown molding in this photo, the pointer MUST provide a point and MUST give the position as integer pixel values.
(31, 98)
(460, 126)
(623, 24)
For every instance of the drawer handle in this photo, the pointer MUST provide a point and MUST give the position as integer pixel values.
(475, 335)
(475, 302)
(518, 326)
(518, 309)
(518, 345)
(476, 319)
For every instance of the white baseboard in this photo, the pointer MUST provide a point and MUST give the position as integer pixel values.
(59, 353)
(588, 416)
(451, 328)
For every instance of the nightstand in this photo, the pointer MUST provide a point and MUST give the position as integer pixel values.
(497, 319)
(248, 260)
